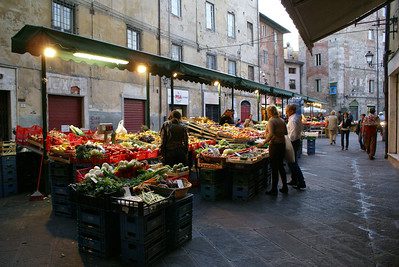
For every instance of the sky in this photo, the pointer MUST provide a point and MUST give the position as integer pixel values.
(274, 10)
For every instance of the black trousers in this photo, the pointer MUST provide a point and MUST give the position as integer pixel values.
(296, 172)
(276, 154)
(172, 157)
(345, 133)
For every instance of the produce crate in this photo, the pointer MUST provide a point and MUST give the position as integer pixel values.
(178, 237)
(311, 146)
(9, 189)
(100, 245)
(97, 221)
(244, 178)
(8, 177)
(142, 229)
(179, 210)
(212, 192)
(60, 190)
(243, 193)
(8, 148)
(60, 170)
(211, 176)
(137, 207)
(139, 254)
(103, 202)
(64, 209)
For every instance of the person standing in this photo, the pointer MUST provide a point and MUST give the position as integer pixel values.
(332, 126)
(249, 122)
(294, 128)
(371, 124)
(274, 135)
(359, 131)
(174, 140)
(345, 130)
(227, 117)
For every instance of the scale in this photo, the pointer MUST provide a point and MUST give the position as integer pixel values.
(106, 129)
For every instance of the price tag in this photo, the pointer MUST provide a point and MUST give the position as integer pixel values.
(180, 183)
(94, 180)
(127, 191)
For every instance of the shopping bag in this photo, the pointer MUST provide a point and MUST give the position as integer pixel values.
(289, 150)
(121, 129)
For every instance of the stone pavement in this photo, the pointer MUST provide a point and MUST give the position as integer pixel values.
(348, 216)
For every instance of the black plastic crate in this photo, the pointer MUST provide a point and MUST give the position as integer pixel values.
(137, 207)
(97, 221)
(64, 210)
(142, 228)
(61, 199)
(244, 179)
(8, 161)
(60, 190)
(180, 236)
(9, 189)
(212, 192)
(9, 177)
(179, 210)
(103, 202)
(209, 176)
(60, 169)
(139, 254)
(98, 245)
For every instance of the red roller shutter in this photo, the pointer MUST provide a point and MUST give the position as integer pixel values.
(64, 110)
(134, 114)
(245, 110)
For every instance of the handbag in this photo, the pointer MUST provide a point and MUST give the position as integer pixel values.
(289, 150)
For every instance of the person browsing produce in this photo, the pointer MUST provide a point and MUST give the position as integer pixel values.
(227, 117)
(174, 140)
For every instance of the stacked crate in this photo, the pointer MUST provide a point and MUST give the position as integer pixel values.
(142, 233)
(8, 175)
(179, 222)
(264, 174)
(60, 175)
(311, 146)
(245, 182)
(98, 230)
(213, 184)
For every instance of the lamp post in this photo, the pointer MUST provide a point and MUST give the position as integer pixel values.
(143, 69)
(369, 58)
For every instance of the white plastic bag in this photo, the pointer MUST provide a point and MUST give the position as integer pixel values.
(121, 129)
(289, 150)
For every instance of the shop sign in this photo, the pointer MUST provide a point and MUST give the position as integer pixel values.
(180, 97)
(211, 98)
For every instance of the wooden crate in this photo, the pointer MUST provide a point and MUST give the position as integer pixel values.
(8, 148)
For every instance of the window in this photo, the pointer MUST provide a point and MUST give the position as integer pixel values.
(63, 16)
(371, 86)
(251, 73)
(210, 16)
(263, 32)
(291, 70)
(231, 27)
(250, 32)
(176, 7)
(292, 84)
(232, 67)
(370, 35)
(133, 39)
(317, 59)
(177, 52)
(265, 56)
(318, 85)
(211, 61)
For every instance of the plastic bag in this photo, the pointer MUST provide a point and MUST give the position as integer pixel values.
(289, 150)
(121, 129)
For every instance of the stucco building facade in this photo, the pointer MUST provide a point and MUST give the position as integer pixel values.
(220, 35)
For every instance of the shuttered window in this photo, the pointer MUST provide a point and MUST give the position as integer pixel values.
(134, 114)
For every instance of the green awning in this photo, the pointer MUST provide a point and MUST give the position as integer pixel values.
(33, 40)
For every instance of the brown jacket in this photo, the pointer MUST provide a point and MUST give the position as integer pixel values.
(275, 131)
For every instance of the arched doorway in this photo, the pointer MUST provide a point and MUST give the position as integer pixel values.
(354, 109)
(245, 110)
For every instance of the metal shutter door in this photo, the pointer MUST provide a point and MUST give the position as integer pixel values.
(134, 114)
(245, 110)
(64, 110)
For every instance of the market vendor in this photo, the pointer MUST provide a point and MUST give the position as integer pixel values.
(174, 140)
(249, 122)
(227, 117)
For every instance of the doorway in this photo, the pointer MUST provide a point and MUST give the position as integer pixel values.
(245, 110)
(4, 115)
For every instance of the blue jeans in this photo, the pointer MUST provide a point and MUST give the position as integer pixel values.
(296, 172)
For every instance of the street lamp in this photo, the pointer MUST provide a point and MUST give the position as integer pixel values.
(369, 59)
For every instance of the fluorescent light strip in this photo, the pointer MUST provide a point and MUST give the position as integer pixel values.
(101, 58)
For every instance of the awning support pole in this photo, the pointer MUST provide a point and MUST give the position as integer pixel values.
(172, 95)
(220, 99)
(232, 98)
(44, 106)
(147, 106)
(258, 101)
(282, 106)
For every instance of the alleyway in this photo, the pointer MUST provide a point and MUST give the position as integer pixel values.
(348, 216)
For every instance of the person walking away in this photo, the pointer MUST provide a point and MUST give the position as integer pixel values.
(174, 140)
(274, 135)
(371, 125)
(294, 128)
(359, 131)
(345, 130)
(332, 126)
(227, 117)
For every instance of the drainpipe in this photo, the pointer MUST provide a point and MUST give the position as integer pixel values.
(386, 80)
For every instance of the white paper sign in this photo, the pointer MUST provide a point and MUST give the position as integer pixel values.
(64, 128)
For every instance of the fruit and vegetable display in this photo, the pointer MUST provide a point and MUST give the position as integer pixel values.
(89, 151)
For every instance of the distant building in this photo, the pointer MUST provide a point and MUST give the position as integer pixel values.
(293, 69)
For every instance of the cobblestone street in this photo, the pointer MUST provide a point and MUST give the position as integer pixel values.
(347, 216)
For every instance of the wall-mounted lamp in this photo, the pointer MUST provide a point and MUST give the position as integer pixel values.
(49, 52)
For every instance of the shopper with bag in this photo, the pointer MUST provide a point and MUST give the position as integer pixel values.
(345, 130)
(294, 128)
(359, 131)
(174, 140)
(274, 135)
